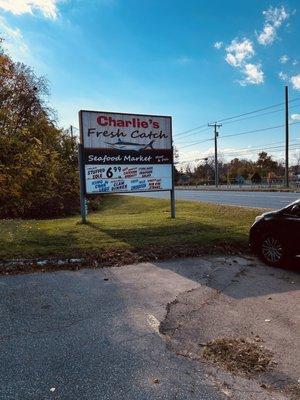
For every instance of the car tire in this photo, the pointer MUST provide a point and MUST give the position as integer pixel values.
(272, 250)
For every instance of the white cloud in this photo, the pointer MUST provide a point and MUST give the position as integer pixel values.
(238, 54)
(267, 36)
(274, 18)
(254, 75)
(239, 51)
(295, 117)
(296, 81)
(218, 45)
(47, 7)
(295, 62)
(283, 76)
(14, 42)
(284, 59)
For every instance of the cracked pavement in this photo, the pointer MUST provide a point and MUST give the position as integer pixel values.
(76, 335)
(94, 334)
(240, 298)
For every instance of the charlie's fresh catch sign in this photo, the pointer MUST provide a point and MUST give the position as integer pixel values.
(126, 152)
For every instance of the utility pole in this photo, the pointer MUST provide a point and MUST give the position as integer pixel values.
(216, 126)
(286, 136)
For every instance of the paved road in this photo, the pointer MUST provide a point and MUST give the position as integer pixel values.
(93, 334)
(270, 200)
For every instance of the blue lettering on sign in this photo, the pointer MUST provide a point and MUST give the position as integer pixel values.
(101, 185)
(101, 182)
(138, 185)
(121, 187)
(102, 188)
(119, 183)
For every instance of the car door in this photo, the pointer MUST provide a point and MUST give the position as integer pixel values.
(291, 228)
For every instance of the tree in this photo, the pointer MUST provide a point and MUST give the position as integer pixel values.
(266, 164)
(38, 162)
(204, 172)
(256, 178)
(240, 167)
(296, 167)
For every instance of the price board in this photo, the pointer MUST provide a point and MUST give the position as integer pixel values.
(126, 152)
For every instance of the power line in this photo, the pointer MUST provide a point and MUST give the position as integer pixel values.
(191, 144)
(293, 146)
(259, 130)
(259, 110)
(257, 116)
(191, 133)
(239, 120)
(242, 133)
(239, 115)
(262, 149)
(251, 112)
(253, 131)
(263, 146)
(192, 130)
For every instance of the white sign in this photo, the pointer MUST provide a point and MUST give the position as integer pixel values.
(127, 178)
(125, 131)
(126, 152)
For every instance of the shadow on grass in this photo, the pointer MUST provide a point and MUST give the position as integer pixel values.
(154, 242)
(126, 203)
(185, 232)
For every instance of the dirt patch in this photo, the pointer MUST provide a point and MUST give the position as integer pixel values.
(294, 392)
(238, 355)
(116, 257)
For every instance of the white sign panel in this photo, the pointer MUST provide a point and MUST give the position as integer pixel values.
(127, 178)
(125, 131)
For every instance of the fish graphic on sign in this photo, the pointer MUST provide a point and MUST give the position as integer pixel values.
(122, 145)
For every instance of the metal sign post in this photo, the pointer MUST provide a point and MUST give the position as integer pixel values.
(172, 193)
(173, 207)
(83, 208)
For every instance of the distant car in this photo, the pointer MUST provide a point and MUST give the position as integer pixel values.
(275, 236)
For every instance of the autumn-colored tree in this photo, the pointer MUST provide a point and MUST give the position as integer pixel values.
(265, 164)
(38, 162)
(240, 167)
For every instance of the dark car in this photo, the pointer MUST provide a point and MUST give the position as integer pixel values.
(275, 236)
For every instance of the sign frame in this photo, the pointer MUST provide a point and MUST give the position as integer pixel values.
(81, 163)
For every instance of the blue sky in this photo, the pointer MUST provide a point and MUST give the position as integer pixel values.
(198, 61)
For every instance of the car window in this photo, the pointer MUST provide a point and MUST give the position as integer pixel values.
(293, 210)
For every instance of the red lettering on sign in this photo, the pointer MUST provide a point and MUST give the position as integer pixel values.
(104, 120)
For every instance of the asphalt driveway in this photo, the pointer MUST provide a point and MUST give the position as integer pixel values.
(75, 335)
(94, 334)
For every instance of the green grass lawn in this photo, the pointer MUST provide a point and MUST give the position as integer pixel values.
(127, 222)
